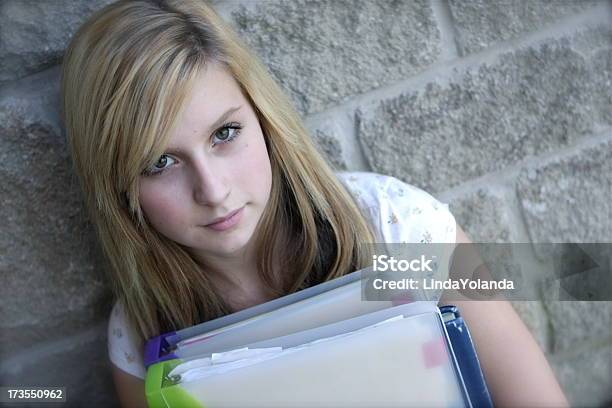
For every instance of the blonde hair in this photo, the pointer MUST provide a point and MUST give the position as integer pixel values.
(125, 78)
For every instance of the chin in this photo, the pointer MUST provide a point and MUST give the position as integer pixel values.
(229, 246)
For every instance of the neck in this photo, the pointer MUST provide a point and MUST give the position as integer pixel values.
(242, 288)
(236, 278)
(232, 273)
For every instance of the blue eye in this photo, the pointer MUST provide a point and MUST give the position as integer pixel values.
(160, 166)
(227, 133)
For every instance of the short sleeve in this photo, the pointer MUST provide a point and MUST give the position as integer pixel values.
(411, 215)
(401, 213)
(398, 211)
(124, 350)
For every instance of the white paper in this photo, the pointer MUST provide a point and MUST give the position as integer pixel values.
(381, 365)
(197, 369)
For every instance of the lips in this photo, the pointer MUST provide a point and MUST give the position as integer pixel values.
(225, 218)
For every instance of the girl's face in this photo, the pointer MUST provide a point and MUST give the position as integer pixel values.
(216, 164)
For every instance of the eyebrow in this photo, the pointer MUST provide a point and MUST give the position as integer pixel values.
(213, 127)
(223, 118)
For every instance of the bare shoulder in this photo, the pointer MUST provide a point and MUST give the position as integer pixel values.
(130, 389)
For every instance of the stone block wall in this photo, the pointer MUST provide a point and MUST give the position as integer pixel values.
(503, 109)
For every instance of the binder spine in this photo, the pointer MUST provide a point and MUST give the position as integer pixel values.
(156, 349)
(467, 359)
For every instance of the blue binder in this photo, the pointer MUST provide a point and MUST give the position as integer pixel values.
(467, 359)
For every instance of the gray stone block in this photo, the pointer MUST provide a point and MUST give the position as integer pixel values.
(573, 322)
(52, 269)
(585, 376)
(34, 34)
(82, 367)
(322, 52)
(330, 147)
(483, 215)
(594, 44)
(480, 23)
(526, 103)
(568, 199)
(334, 132)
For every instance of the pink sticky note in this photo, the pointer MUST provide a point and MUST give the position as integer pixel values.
(434, 352)
(401, 299)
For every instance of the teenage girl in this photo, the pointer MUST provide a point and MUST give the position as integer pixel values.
(208, 195)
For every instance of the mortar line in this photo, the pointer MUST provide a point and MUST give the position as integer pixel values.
(443, 71)
(448, 31)
(508, 174)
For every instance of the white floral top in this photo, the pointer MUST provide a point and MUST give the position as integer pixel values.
(399, 213)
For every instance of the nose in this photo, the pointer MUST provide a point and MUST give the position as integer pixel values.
(210, 187)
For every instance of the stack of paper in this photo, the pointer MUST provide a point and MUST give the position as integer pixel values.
(328, 349)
